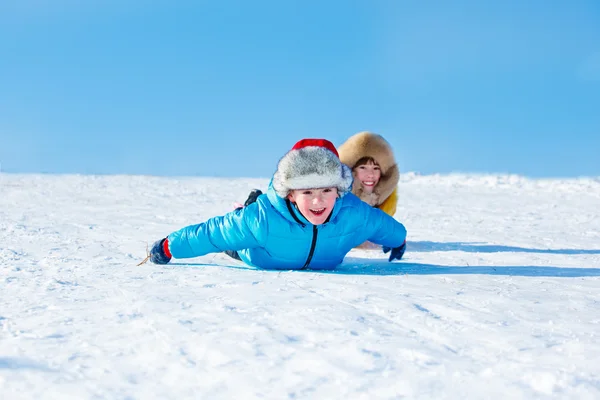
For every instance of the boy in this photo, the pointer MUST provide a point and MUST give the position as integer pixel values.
(307, 219)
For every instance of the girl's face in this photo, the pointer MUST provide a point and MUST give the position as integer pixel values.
(315, 204)
(368, 175)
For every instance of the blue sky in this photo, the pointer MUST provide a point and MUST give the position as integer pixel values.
(224, 88)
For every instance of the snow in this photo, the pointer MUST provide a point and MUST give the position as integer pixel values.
(498, 296)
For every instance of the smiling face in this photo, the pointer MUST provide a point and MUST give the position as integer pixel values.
(368, 175)
(315, 204)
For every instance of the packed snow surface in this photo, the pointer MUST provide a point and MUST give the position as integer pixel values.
(498, 296)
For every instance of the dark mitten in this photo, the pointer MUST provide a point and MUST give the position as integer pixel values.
(252, 197)
(159, 253)
(397, 252)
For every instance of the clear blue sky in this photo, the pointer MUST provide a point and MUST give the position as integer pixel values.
(224, 88)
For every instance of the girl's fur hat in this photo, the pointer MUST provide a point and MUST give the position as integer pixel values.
(312, 164)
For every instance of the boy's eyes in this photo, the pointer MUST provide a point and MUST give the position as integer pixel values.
(310, 192)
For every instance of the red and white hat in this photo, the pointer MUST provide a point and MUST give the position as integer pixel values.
(312, 164)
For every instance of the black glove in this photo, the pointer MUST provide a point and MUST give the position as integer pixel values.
(252, 197)
(397, 252)
(159, 253)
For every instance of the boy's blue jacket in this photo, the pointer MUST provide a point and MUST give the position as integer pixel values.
(272, 234)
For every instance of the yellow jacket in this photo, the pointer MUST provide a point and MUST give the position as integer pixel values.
(389, 205)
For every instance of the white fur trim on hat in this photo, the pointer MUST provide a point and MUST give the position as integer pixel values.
(311, 167)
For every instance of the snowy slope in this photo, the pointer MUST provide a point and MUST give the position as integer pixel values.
(498, 297)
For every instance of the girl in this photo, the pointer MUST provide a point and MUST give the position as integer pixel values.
(374, 169)
(307, 219)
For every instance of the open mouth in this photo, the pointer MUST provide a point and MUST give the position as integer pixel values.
(318, 212)
(368, 183)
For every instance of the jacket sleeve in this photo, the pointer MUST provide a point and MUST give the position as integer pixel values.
(385, 230)
(240, 229)
(389, 205)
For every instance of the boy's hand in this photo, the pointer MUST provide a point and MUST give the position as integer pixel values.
(397, 252)
(159, 253)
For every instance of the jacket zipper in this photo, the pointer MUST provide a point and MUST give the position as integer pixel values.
(312, 247)
(314, 237)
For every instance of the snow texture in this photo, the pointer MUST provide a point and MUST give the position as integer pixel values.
(498, 297)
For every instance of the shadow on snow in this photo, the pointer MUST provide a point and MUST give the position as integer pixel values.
(476, 247)
(369, 266)
(359, 266)
(21, 363)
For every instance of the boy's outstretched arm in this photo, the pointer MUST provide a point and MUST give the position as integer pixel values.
(388, 232)
(236, 230)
